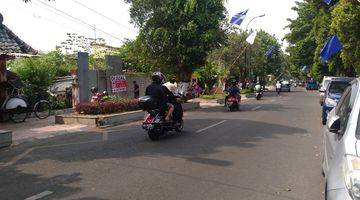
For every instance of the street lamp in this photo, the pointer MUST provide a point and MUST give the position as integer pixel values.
(259, 16)
(247, 26)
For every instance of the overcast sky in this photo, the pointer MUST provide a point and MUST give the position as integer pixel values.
(40, 26)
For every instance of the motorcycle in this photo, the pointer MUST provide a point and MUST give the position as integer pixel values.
(98, 97)
(233, 103)
(258, 95)
(155, 123)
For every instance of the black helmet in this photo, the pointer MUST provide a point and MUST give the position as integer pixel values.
(158, 77)
(94, 90)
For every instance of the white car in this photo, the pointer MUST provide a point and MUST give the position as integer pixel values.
(323, 86)
(341, 162)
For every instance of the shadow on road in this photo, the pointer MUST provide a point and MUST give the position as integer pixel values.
(91, 147)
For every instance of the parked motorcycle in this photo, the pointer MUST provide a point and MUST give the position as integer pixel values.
(233, 103)
(97, 97)
(155, 123)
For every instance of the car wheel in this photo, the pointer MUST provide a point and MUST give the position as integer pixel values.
(325, 192)
(324, 121)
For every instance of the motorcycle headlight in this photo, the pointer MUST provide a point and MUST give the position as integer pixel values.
(352, 176)
(330, 102)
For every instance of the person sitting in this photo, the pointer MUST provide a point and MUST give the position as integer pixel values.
(234, 91)
(156, 91)
(257, 87)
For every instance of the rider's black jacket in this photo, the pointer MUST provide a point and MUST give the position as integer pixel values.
(157, 92)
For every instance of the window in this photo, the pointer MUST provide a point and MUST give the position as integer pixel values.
(346, 104)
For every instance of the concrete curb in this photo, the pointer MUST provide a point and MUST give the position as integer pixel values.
(5, 138)
(104, 121)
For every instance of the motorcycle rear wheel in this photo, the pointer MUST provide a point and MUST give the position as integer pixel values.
(180, 128)
(153, 135)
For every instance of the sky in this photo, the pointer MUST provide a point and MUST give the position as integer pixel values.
(43, 27)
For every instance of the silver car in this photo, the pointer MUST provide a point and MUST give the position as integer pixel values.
(341, 162)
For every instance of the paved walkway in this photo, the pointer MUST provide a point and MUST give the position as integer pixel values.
(34, 128)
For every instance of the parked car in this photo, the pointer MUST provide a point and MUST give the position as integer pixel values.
(333, 93)
(324, 84)
(312, 85)
(341, 161)
(285, 86)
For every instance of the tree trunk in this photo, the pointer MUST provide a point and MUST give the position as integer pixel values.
(185, 73)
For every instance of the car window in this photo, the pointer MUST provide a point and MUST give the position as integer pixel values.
(343, 111)
(346, 105)
(338, 87)
(326, 83)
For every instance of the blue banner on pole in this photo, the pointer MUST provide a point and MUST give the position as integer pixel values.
(270, 52)
(328, 2)
(332, 47)
(238, 18)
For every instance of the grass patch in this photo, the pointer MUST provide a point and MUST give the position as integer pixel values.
(246, 91)
(213, 96)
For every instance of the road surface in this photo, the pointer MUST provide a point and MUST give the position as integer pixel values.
(271, 149)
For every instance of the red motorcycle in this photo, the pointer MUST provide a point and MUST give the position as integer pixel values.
(97, 97)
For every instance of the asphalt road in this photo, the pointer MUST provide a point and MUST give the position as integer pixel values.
(271, 149)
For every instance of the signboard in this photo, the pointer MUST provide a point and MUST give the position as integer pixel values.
(118, 84)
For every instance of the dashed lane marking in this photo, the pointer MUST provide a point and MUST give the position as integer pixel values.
(209, 127)
(256, 108)
(40, 195)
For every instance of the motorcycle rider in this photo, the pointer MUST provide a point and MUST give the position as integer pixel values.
(257, 87)
(233, 90)
(173, 101)
(278, 87)
(156, 91)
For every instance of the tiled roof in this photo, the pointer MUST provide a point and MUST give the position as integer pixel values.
(12, 44)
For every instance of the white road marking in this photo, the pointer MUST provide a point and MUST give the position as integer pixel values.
(40, 195)
(209, 127)
(17, 158)
(256, 108)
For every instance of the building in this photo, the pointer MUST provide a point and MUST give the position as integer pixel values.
(10, 46)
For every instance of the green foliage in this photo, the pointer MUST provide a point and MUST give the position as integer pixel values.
(346, 24)
(208, 76)
(315, 23)
(213, 96)
(231, 56)
(247, 91)
(179, 33)
(36, 74)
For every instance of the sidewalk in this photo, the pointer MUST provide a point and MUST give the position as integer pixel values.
(34, 128)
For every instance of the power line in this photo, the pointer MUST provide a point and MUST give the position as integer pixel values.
(106, 17)
(79, 20)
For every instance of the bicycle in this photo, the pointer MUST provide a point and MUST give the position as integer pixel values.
(18, 107)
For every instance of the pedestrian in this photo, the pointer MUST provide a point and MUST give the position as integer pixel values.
(136, 90)
(197, 90)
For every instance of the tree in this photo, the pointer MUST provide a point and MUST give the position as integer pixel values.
(316, 22)
(179, 33)
(208, 76)
(346, 24)
(231, 56)
(302, 43)
(37, 75)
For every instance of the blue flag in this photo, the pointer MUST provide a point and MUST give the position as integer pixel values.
(328, 2)
(238, 18)
(332, 47)
(270, 52)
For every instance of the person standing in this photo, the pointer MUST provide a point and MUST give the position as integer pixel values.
(136, 90)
